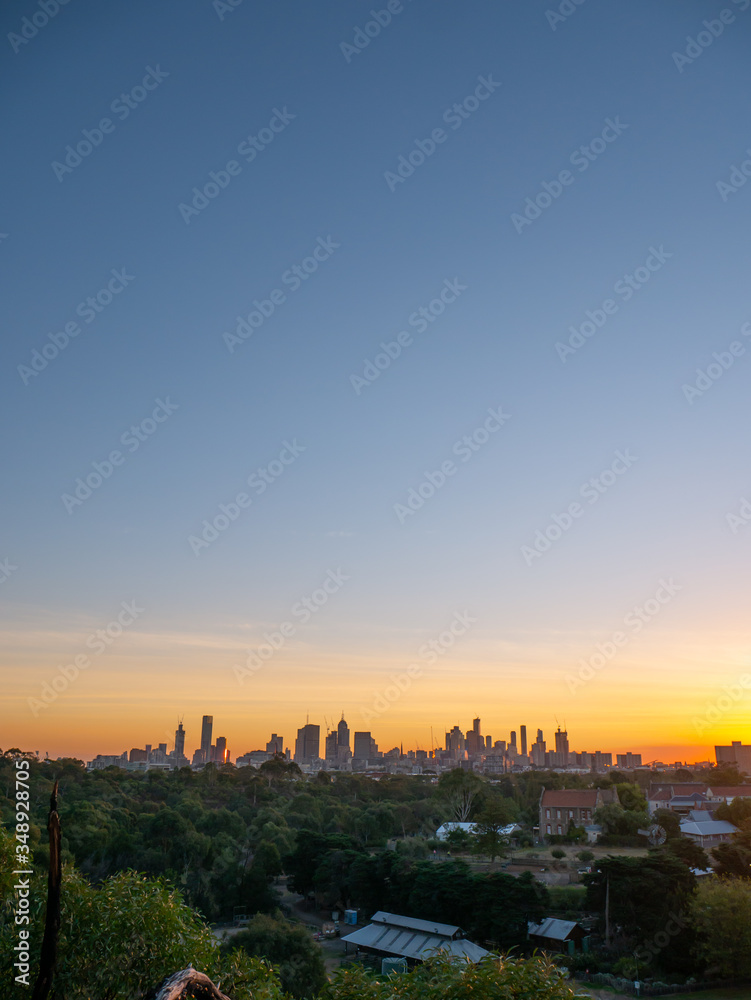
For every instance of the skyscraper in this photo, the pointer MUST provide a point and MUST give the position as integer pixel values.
(179, 741)
(523, 734)
(561, 747)
(207, 727)
(361, 750)
(307, 744)
(342, 733)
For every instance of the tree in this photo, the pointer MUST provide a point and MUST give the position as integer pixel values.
(720, 913)
(689, 852)
(643, 892)
(458, 839)
(288, 947)
(737, 812)
(489, 822)
(631, 797)
(734, 858)
(459, 788)
(123, 938)
(669, 822)
(441, 979)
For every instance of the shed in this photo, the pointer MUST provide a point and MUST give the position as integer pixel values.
(412, 938)
(566, 936)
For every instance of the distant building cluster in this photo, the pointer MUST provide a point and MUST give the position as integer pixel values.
(338, 749)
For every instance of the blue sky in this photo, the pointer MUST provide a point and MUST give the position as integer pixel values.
(220, 75)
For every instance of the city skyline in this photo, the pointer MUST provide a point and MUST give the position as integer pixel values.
(294, 741)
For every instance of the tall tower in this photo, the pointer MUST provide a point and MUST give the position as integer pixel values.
(179, 741)
(207, 726)
(523, 735)
(342, 733)
(561, 746)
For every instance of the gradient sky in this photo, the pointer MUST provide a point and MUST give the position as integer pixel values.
(224, 73)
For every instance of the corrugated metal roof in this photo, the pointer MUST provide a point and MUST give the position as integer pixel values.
(415, 924)
(556, 930)
(413, 938)
(709, 828)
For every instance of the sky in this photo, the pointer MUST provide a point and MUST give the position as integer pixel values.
(389, 359)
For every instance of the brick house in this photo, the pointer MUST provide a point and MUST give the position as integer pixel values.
(559, 807)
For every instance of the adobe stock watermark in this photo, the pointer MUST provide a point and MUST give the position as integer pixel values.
(695, 47)
(625, 288)
(88, 310)
(722, 362)
(737, 178)
(220, 180)
(716, 710)
(132, 439)
(362, 37)
(224, 7)
(591, 491)
(31, 26)
(6, 569)
(429, 653)
(97, 642)
(637, 618)
(464, 449)
(293, 278)
(122, 106)
(259, 481)
(419, 320)
(455, 116)
(652, 948)
(581, 158)
(303, 610)
(740, 520)
(563, 12)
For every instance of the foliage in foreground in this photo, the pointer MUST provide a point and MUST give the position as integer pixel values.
(445, 979)
(290, 948)
(122, 939)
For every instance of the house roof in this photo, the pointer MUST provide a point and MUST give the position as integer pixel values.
(675, 788)
(725, 791)
(708, 828)
(571, 798)
(555, 930)
(410, 937)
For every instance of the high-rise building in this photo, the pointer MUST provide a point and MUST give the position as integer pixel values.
(361, 750)
(538, 753)
(332, 745)
(628, 760)
(179, 741)
(207, 726)
(561, 747)
(736, 753)
(275, 744)
(455, 743)
(307, 744)
(342, 733)
(221, 755)
(512, 741)
(523, 735)
(488, 742)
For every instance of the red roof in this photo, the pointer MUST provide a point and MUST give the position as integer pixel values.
(727, 790)
(571, 798)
